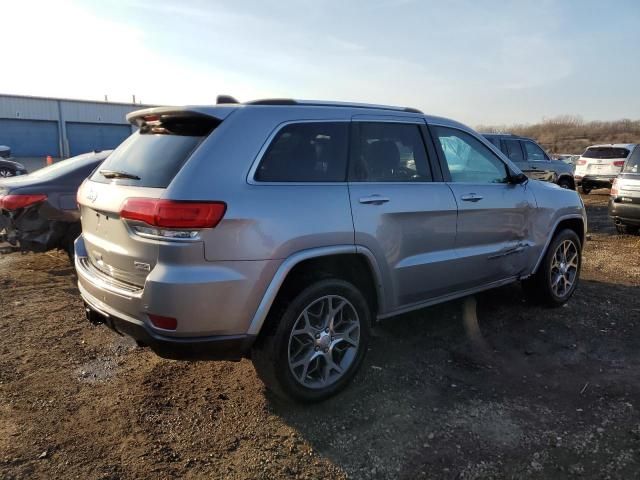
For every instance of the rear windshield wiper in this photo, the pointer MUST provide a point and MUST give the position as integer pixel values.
(118, 174)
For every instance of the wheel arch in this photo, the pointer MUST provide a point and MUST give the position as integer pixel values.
(572, 222)
(568, 177)
(349, 262)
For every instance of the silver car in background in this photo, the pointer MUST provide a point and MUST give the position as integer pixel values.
(624, 200)
(281, 230)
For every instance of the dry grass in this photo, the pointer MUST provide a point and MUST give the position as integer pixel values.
(569, 134)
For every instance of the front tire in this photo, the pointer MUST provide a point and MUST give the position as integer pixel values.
(6, 172)
(566, 183)
(557, 277)
(315, 344)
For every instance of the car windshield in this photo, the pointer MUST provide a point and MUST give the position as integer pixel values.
(605, 152)
(63, 167)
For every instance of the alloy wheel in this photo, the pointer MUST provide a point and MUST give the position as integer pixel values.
(564, 268)
(324, 341)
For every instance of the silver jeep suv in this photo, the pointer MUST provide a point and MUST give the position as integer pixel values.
(281, 230)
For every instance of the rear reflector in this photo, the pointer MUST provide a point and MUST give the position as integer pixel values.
(172, 213)
(15, 202)
(581, 162)
(619, 163)
(614, 188)
(166, 323)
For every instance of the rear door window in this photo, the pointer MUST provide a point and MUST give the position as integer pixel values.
(307, 152)
(388, 152)
(534, 152)
(153, 156)
(512, 150)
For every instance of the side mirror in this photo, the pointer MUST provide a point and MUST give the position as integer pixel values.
(518, 179)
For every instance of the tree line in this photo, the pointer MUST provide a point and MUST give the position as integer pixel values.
(571, 134)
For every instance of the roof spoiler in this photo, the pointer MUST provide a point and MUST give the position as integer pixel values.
(139, 117)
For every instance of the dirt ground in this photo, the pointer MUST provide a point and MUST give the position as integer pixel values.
(537, 393)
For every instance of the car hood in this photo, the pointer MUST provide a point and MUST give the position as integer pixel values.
(560, 166)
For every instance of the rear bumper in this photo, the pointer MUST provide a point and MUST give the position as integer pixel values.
(624, 213)
(220, 347)
(602, 181)
(214, 304)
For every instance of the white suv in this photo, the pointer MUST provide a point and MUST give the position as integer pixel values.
(599, 165)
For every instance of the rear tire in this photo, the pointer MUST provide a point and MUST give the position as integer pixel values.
(313, 345)
(558, 274)
(6, 172)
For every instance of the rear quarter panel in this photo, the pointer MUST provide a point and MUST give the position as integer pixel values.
(263, 220)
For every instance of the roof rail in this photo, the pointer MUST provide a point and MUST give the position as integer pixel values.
(318, 103)
(224, 99)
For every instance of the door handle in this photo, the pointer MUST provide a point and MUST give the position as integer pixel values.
(471, 197)
(374, 199)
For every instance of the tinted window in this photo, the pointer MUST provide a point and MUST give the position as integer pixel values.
(306, 152)
(494, 140)
(389, 152)
(468, 159)
(534, 152)
(512, 150)
(156, 152)
(606, 152)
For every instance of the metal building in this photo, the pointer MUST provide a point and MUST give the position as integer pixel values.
(40, 126)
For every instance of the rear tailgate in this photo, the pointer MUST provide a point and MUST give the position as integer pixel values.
(602, 161)
(142, 167)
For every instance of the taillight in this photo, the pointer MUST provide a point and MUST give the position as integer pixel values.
(17, 201)
(581, 162)
(184, 218)
(614, 187)
(619, 163)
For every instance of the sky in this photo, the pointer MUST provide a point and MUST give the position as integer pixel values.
(479, 62)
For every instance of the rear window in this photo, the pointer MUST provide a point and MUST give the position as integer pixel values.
(81, 163)
(153, 156)
(307, 152)
(605, 152)
(632, 165)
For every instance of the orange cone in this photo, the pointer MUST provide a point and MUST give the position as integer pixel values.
(49, 160)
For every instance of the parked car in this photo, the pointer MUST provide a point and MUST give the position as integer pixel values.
(38, 212)
(280, 230)
(624, 202)
(599, 165)
(532, 159)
